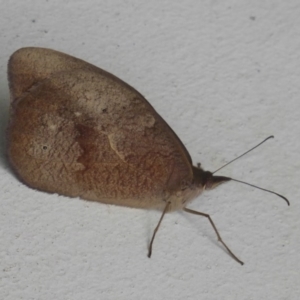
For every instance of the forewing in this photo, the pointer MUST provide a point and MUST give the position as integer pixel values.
(81, 131)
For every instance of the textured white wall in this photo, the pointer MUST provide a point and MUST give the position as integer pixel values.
(224, 75)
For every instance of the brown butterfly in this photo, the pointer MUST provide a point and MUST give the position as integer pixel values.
(79, 131)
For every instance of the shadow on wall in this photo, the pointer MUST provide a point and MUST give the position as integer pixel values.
(4, 113)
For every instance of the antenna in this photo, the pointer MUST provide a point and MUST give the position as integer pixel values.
(270, 137)
(284, 198)
(255, 186)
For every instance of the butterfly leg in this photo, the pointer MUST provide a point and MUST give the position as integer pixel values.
(215, 228)
(156, 229)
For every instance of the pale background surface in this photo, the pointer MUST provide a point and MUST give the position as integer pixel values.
(224, 75)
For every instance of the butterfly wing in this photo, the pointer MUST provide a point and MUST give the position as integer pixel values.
(79, 131)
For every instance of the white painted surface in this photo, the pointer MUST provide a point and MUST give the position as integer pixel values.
(224, 75)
